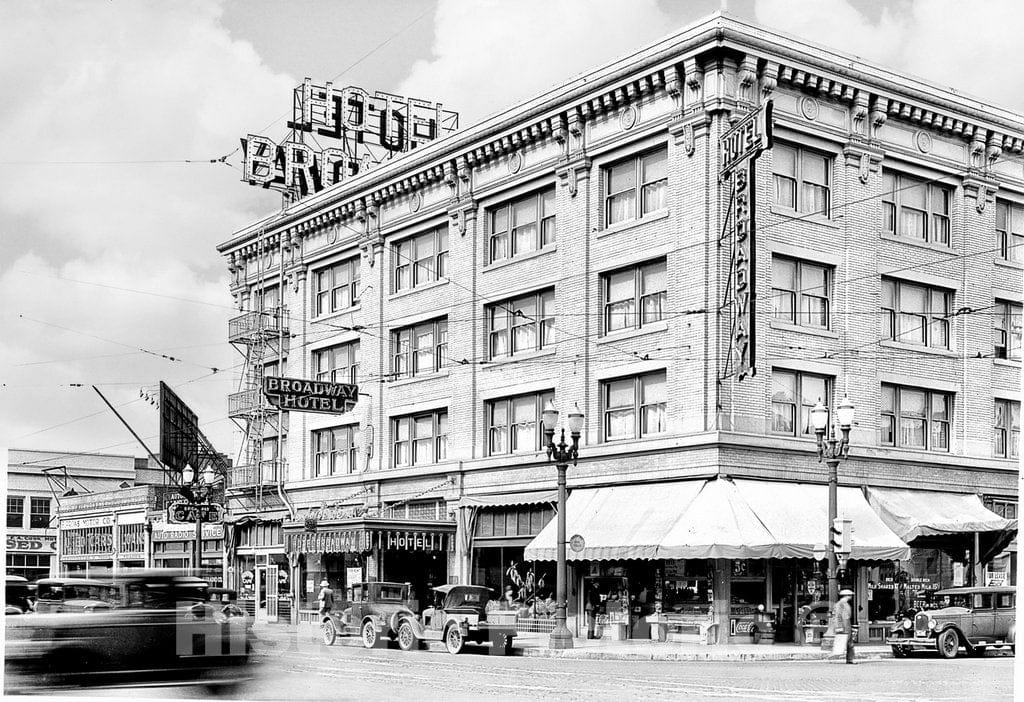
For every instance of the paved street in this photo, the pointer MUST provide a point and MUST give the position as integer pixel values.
(295, 670)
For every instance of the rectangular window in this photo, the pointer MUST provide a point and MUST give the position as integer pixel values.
(266, 299)
(521, 325)
(636, 186)
(523, 225)
(336, 287)
(15, 512)
(1006, 329)
(334, 451)
(1007, 509)
(801, 292)
(421, 349)
(914, 208)
(421, 259)
(420, 439)
(802, 179)
(634, 407)
(915, 314)
(514, 424)
(915, 418)
(1006, 437)
(793, 396)
(634, 296)
(39, 512)
(337, 364)
(1010, 230)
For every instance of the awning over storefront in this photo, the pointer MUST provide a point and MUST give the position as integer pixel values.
(624, 521)
(796, 514)
(915, 513)
(718, 518)
(521, 498)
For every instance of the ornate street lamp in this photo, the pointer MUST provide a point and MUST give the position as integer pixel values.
(832, 450)
(198, 489)
(561, 454)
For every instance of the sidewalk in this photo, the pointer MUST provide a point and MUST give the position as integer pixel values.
(271, 636)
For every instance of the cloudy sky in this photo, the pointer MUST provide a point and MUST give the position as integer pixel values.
(110, 209)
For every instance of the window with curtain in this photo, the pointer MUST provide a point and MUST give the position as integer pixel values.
(634, 296)
(794, 394)
(634, 407)
(916, 314)
(801, 292)
(802, 179)
(915, 208)
(522, 225)
(915, 418)
(636, 187)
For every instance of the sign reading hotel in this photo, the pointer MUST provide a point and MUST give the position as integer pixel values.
(295, 394)
(739, 148)
(359, 131)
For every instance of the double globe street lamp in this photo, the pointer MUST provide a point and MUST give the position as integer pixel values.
(561, 453)
(831, 450)
(198, 489)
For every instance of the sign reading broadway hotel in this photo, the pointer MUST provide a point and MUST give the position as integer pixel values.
(310, 395)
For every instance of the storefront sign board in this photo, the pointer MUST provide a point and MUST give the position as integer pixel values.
(31, 544)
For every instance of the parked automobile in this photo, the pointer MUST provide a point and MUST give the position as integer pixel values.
(164, 632)
(972, 618)
(461, 617)
(374, 613)
(75, 595)
(19, 595)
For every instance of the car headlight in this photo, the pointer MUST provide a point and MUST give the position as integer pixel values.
(907, 624)
(932, 624)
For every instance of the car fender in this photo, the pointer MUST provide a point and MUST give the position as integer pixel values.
(378, 622)
(417, 626)
(395, 620)
(960, 635)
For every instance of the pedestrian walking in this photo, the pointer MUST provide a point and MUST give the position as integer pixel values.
(844, 625)
(326, 597)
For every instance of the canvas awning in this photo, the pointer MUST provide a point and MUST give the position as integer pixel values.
(535, 497)
(796, 514)
(618, 522)
(916, 513)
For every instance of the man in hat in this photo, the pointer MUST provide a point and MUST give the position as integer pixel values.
(844, 621)
(326, 597)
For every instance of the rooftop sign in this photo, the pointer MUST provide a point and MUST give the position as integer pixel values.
(361, 130)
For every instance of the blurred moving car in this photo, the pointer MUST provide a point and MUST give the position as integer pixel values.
(972, 618)
(461, 617)
(19, 595)
(75, 595)
(164, 632)
(374, 613)
(225, 605)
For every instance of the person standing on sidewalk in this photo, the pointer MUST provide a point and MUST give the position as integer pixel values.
(326, 598)
(844, 621)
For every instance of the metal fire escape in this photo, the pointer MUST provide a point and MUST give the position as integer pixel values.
(261, 336)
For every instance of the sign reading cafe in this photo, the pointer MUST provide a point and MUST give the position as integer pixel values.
(739, 148)
(362, 129)
(310, 395)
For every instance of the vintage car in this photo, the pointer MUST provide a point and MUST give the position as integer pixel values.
(76, 595)
(163, 633)
(373, 613)
(972, 618)
(19, 595)
(460, 617)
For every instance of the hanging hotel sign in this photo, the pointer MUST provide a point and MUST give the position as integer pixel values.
(296, 394)
(362, 130)
(738, 149)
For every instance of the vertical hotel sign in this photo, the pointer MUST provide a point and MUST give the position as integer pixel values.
(739, 148)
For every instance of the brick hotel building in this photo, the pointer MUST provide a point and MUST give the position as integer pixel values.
(577, 247)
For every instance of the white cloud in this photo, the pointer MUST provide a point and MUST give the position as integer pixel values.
(490, 55)
(966, 46)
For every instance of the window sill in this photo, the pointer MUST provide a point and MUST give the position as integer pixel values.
(325, 318)
(497, 265)
(633, 223)
(948, 353)
(623, 334)
(443, 373)
(1007, 362)
(803, 216)
(800, 329)
(626, 439)
(506, 360)
(923, 453)
(1012, 265)
(421, 288)
(917, 243)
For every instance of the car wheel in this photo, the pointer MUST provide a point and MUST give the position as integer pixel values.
(948, 643)
(369, 635)
(453, 640)
(406, 637)
(328, 632)
(900, 651)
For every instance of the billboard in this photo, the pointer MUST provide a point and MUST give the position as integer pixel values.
(179, 431)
